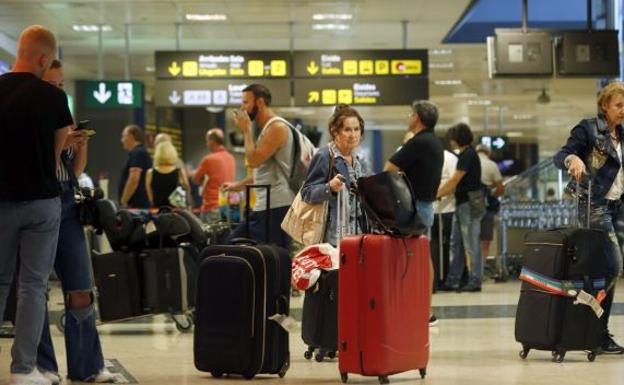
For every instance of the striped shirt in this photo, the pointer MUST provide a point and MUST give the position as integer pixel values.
(61, 173)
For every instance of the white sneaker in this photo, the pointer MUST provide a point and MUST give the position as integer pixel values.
(54, 377)
(106, 377)
(32, 378)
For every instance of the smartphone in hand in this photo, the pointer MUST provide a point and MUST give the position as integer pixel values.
(83, 125)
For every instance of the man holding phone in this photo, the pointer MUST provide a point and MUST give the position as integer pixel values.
(34, 122)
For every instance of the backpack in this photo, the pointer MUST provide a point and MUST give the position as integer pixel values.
(303, 151)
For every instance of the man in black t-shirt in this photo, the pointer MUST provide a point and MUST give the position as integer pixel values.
(34, 122)
(421, 159)
(132, 184)
(470, 208)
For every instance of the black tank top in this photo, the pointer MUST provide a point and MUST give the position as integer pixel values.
(163, 185)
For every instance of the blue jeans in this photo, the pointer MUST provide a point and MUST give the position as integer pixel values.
(29, 228)
(608, 216)
(425, 212)
(257, 227)
(464, 246)
(73, 268)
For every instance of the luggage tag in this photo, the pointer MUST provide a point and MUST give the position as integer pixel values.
(585, 298)
(287, 323)
(602, 294)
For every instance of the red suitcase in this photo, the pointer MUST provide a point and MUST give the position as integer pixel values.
(383, 305)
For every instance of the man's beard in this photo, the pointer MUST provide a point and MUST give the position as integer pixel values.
(253, 113)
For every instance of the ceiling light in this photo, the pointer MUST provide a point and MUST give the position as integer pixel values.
(91, 28)
(465, 95)
(441, 65)
(514, 134)
(479, 102)
(330, 27)
(150, 69)
(522, 116)
(454, 82)
(332, 16)
(206, 17)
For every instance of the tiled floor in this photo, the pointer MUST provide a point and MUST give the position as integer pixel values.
(473, 344)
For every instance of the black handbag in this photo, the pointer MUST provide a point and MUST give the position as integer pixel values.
(86, 198)
(389, 203)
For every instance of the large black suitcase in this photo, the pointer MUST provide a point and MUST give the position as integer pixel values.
(164, 280)
(319, 324)
(117, 281)
(239, 288)
(568, 260)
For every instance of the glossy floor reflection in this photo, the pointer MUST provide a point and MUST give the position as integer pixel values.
(472, 344)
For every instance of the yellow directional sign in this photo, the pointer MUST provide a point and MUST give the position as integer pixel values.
(189, 68)
(345, 96)
(366, 67)
(278, 67)
(329, 96)
(406, 67)
(174, 68)
(312, 68)
(313, 97)
(382, 67)
(350, 67)
(255, 68)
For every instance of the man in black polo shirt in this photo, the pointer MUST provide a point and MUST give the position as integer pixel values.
(132, 184)
(34, 122)
(421, 159)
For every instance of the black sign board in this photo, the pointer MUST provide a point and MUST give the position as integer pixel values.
(202, 93)
(361, 63)
(360, 91)
(222, 64)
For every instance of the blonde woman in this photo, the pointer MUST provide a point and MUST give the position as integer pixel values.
(165, 176)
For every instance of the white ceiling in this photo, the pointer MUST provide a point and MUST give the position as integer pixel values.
(260, 25)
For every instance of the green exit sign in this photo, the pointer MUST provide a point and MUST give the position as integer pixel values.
(113, 94)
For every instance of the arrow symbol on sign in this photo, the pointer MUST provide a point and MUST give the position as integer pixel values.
(312, 68)
(102, 95)
(314, 97)
(174, 68)
(498, 143)
(174, 97)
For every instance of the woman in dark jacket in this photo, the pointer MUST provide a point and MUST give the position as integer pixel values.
(594, 148)
(346, 128)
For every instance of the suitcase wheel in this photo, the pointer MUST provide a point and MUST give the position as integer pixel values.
(524, 353)
(331, 355)
(591, 356)
(183, 322)
(284, 368)
(383, 380)
(216, 374)
(308, 353)
(558, 356)
(423, 372)
(248, 376)
(344, 377)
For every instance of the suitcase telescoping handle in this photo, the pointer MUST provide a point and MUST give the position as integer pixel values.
(248, 188)
(342, 215)
(440, 246)
(577, 200)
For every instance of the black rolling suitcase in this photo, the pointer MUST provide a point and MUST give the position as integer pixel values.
(319, 324)
(440, 247)
(239, 287)
(165, 282)
(560, 264)
(117, 281)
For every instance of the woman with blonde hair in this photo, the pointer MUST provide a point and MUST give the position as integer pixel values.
(165, 176)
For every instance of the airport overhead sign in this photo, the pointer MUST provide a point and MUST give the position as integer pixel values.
(223, 92)
(113, 94)
(361, 91)
(222, 64)
(494, 142)
(360, 63)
